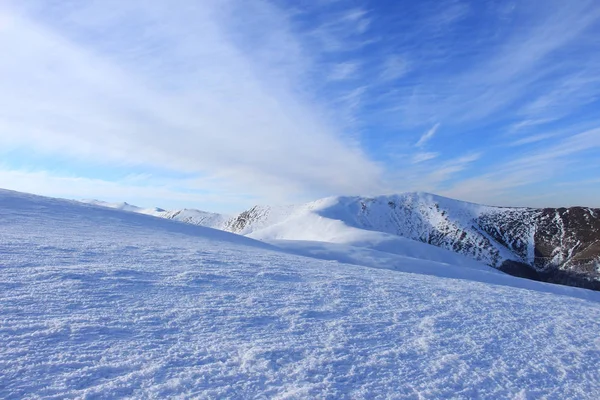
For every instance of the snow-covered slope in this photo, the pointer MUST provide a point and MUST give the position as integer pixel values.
(302, 223)
(101, 303)
(124, 206)
(187, 215)
(427, 218)
(196, 217)
(556, 245)
(561, 245)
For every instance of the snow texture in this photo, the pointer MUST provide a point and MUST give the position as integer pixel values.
(102, 303)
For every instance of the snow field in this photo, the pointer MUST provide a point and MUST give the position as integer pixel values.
(98, 303)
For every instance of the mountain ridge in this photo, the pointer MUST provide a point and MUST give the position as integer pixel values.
(559, 245)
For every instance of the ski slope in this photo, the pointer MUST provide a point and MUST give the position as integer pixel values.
(103, 303)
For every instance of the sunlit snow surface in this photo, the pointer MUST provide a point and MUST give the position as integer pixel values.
(107, 304)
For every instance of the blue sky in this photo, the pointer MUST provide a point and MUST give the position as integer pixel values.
(220, 104)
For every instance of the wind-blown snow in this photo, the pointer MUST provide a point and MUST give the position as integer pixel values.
(96, 302)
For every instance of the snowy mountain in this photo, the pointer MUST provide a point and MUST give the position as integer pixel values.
(125, 207)
(104, 303)
(187, 215)
(557, 245)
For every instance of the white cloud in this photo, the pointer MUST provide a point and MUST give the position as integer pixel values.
(529, 123)
(421, 157)
(569, 93)
(394, 67)
(344, 71)
(358, 17)
(447, 14)
(446, 170)
(509, 72)
(177, 88)
(278, 104)
(532, 139)
(427, 135)
(342, 30)
(537, 166)
(412, 172)
(146, 191)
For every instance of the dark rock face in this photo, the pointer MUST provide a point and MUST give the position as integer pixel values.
(563, 245)
(567, 236)
(567, 246)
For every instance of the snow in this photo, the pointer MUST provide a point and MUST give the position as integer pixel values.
(487, 234)
(424, 217)
(103, 303)
(452, 267)
(190, 216)
(124, 206)
(196, 217)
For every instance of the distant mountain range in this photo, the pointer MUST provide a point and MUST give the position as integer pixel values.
(559, 245)
(190, 216)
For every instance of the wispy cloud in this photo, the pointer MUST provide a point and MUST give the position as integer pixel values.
(449, 168)
(532, 139)
(342, 31)
(530, 168)
(430, 171)
(571, 93)
(394, 67)
(421, 157)
(145, 191)
(500, 74)
(174, 87)
(427, 135)
(358, 17)
(343, 71)
(285, 102)
(448, 13)
(529, 123)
